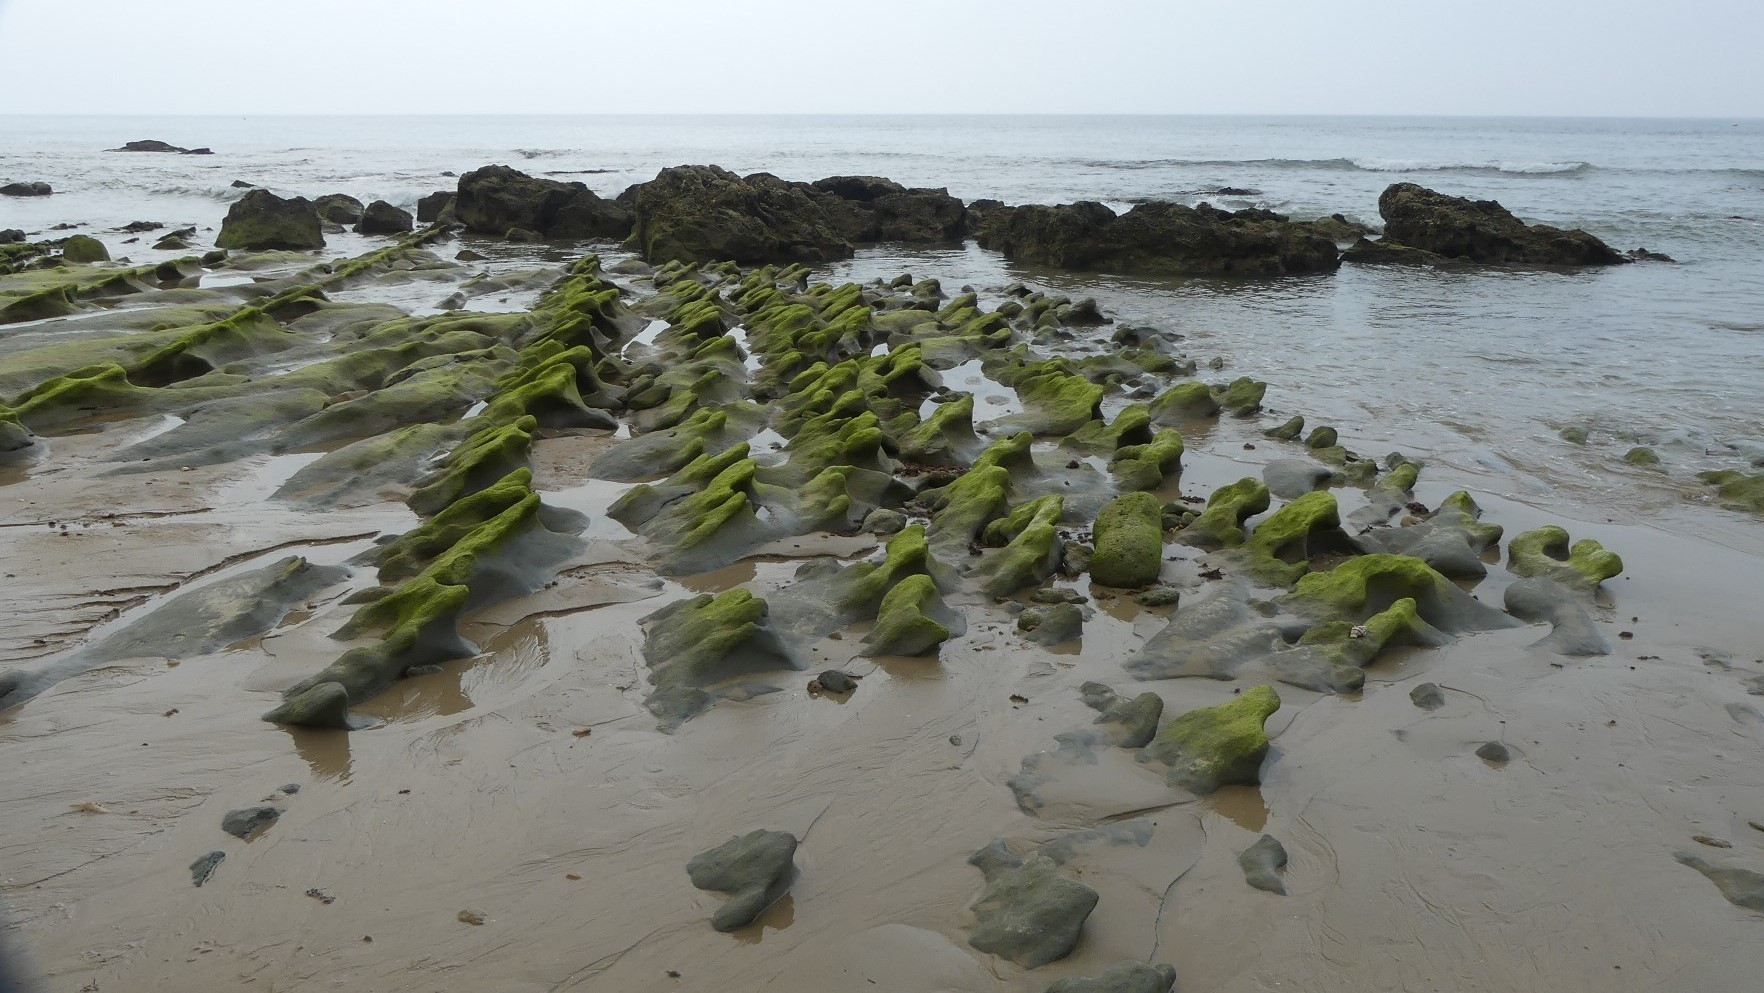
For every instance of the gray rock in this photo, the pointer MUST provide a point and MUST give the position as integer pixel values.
(1261, 864)
(338, 208)
(834, 681)
(26, 190)
(1741, 887)
(1572, 631)
(1427, 696)
(1159, 596)
(203, 868)
(1293, 478)
(1058, 594)
(1053, 625)
(1031, 915)
(247, 821)
(1128, 977)
(755, 869)
(434, 206)
(323, 706)
(1494, 751)
(884, 521)
(1130, 722)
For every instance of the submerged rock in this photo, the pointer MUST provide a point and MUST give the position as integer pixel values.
(1261, 864)
(155, 145)
(1741, 887)
(1427, 696)
(1216, 746)
(261, 220)
(1160, 239)
(755, 869)
(26, 190)
(1128, 977)
(1572, 630)
(1737, 490)
(1482, 231)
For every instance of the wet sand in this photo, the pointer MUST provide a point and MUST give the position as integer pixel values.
(530, 784)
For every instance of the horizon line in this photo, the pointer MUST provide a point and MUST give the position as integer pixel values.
(908, 114)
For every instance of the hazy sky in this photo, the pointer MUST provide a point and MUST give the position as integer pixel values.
(1569, 57)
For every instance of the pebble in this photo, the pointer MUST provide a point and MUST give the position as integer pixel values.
(475, 917)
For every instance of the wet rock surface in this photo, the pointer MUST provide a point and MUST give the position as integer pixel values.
(755, 869)
(1481, 231)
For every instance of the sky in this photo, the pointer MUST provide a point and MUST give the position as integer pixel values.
(1638, 58)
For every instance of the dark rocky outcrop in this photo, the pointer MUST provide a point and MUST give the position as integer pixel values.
(26, 190)
(869, 208)
(84, 248)
(431, 208)
(261, 220)
(497, 199)
(1482, 231)
(338, 208)
(1159, 239)
(155, 145)
(702, 213)
(381, 217)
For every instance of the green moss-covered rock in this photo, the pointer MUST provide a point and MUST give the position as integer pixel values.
(1221, 524)
(1737, 490)
(1129, 534)
(261, 220)
(1031, 550)
(1368, 584)
(82, 393)
(482, 460)
(407, 554)
(1331, 657)
(1184, 402)
(946, 438)
(966, 506)
(1545, 552)
(1056, 402)
(83, 249)
(1288, 431)
(695, 643)
(902, 625)
(248, 333)
(1242, 397)
(1216, 746)
(1642, 458)
(1281, 546)
(1145, 467)
(858, 591)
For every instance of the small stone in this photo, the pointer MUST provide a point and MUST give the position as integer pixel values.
(884, 521)
(1494, 752)
(1261, 864)
(834, 681)
(1159, 596)
(247, 821)
(755, 870)
(1703, 839)
(203, 868)
(1427, 696)
(474, 917)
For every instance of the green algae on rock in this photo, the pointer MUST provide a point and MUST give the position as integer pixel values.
(1184, 402)
(260, 220)
(1281, 546)
(1736, 490)
(902, 625)
(82, 249)
(693, 644)
(1366, 585)
(1129, 542)
(1221, 524)
(1147, 466)
(1031, 551)
(1216, 746)
(1545, 552)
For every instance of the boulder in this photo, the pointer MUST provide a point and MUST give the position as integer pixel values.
(1482, 231)
(497, 199)
(11, 236)
(381, 217)
(1159, 239)
(84, 248)
(261, 220)
(338, 208)
(869, 208)
(704, 213)
(431, 207)
(1261, 864)
(26, 190)
(1030, 914)
(247, 821)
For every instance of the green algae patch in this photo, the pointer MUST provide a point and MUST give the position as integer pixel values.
(1545, 552)
(1281, 546)
(1216, 746)
(1221, 524)
(1642, 458)
(858, 591)
(246, 334)
(407, 554)
(1145, 467)
(966, 506)
(1129, 535)
(1056, 402)
(946, 438)
(1365, 585)
(1331, 657)
(1132, 426)
(482, 460)
(1736, 490)
(902, 625)
(1031, 549)
(696, 643)
(82, 393)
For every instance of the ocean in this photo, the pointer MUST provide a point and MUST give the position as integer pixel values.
(1478, 367)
